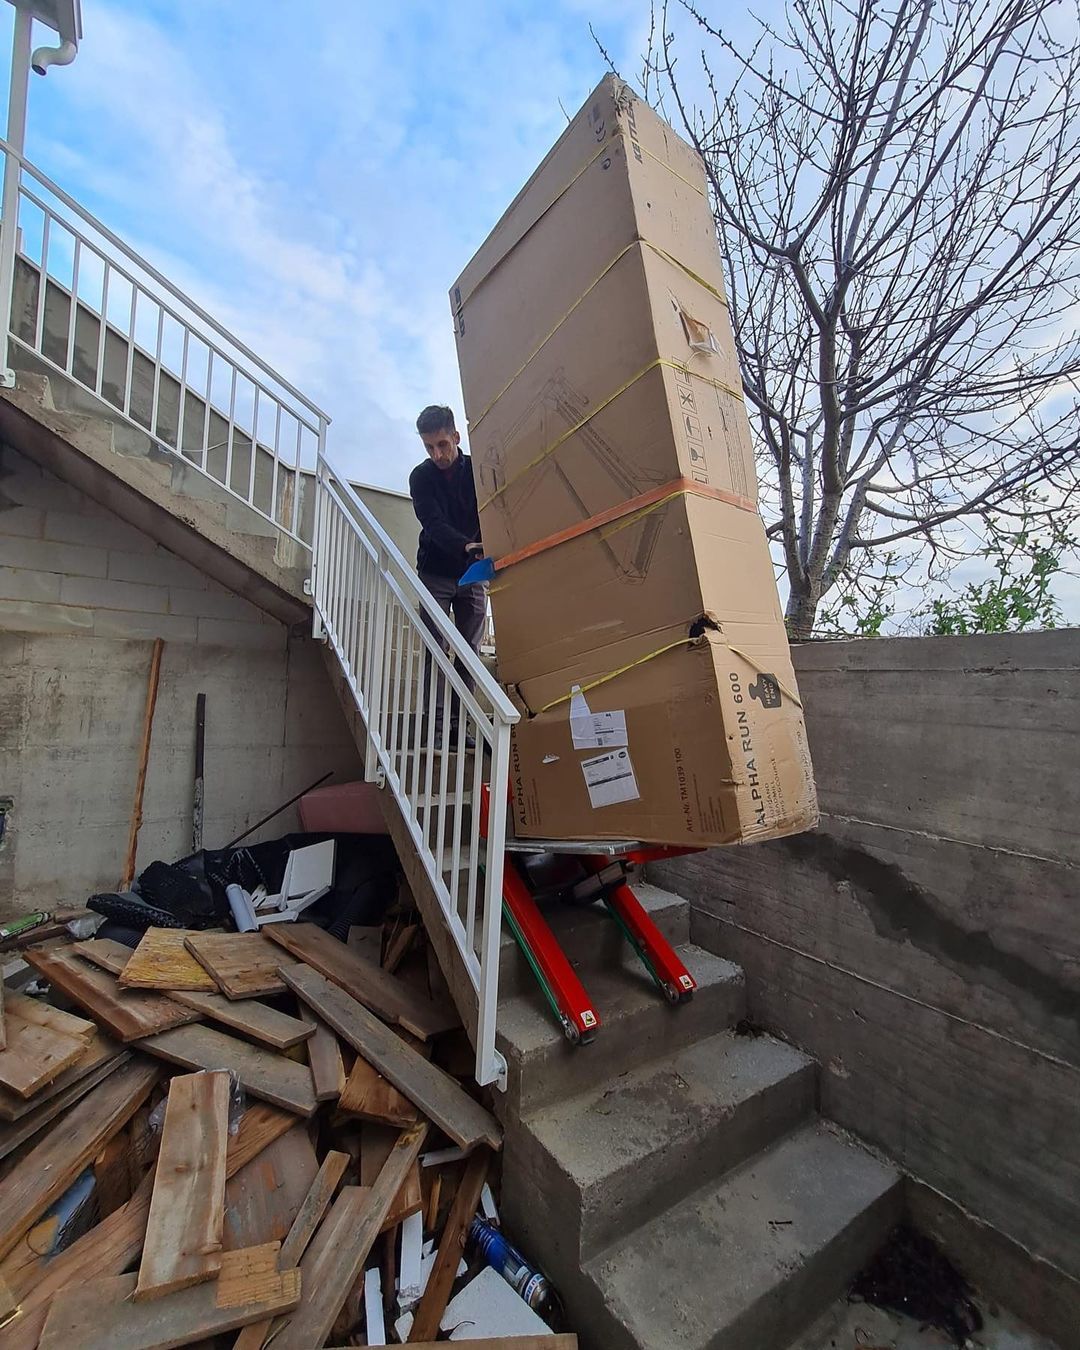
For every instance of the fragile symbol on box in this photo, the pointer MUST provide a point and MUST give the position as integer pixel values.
(610, 779)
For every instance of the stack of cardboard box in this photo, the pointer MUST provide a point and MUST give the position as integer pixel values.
(636, 615)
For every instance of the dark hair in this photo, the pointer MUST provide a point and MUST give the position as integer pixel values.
(435, 418)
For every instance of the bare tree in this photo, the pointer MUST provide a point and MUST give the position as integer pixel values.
(896, 188)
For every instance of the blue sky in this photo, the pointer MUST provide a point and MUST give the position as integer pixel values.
(316, 176)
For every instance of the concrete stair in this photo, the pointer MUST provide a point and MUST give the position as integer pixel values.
(671, 1177)
(71, 433)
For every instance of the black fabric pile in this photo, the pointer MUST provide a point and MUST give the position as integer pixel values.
(910, 1275)
(191, 893)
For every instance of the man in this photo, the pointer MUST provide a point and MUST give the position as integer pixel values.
(444, 499)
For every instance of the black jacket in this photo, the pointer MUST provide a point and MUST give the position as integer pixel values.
(445, 505)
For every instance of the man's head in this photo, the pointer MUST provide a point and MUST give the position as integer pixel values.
(441, 438)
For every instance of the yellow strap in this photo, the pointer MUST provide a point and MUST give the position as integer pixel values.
(689, 183)
(660, 361)
(660, 651)
(645, 243)
(792, 695)
(603, 679)
(600, 149)
(533, 354)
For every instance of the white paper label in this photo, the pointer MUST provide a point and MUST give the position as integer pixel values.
(595, 731)
(610, 778)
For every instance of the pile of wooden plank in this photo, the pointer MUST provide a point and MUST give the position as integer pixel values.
(226, 1133)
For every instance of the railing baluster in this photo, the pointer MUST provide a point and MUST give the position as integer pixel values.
(103, 329)
(43, 285)
(131, 350)
(73, 308)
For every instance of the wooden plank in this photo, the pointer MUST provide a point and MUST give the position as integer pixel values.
(432, 1306)
(126, 1014)
(300, 1234)
(35, 1055)
(161, 961)
(43, 1014)
(336, 1257)
(112, 1174)
(99, 1050)
(114, 1244)
(264, 1197)
(370, 1096)
(14, 1134)
(104, 1316)
(144, 757)
(437, 1095)
(260, 1125)
(184, 1231)
(324, 1060)
(364, 981)
(261, 1072)
(261, 1023)
(107, 953)
(242, 965)
(409, 1200)
(50, 1168)
(399, 947)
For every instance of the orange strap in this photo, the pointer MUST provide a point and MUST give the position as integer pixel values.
(678, 487)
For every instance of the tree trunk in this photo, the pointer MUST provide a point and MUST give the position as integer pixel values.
(801, 615)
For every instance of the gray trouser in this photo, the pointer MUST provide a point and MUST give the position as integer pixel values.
(468, 607)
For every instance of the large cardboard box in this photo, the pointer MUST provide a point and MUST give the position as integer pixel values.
(636, 615)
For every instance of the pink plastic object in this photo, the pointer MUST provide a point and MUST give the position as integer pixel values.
(342, 808)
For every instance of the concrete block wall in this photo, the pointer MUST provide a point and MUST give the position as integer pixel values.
(924, 942)
(82, 596)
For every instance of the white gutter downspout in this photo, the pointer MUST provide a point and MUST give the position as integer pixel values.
(44, 57)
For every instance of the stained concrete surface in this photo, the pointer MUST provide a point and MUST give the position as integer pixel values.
(860, 1327)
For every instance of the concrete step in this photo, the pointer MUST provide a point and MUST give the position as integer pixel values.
(619, 1152)
(589, 936)
(637, 1026)
(747, 1261)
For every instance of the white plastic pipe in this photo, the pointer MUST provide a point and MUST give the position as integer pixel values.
(44, 57)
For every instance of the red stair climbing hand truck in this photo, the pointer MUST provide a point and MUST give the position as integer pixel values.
(586, 872)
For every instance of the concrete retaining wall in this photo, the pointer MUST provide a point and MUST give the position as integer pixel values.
(82, 596)
(924, 943)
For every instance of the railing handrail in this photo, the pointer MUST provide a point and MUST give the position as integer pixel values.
(417, 592)
(161, 280)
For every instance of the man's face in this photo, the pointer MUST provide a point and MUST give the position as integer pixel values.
(442, 446)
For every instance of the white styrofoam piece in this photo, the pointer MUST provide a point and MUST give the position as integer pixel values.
(373, 1308)
(487, 1307)
(309, 868)
(410, 1286)
(487, 1205)
(441, 1155)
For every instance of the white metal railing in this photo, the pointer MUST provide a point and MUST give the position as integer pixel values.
(389, 636)
(85, 305)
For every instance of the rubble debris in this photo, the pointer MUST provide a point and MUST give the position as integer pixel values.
(244, 1156)
(912, 1276)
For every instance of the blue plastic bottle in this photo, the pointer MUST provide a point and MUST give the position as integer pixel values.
(532, 1286)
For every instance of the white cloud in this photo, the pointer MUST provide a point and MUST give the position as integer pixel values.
(316, 185)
